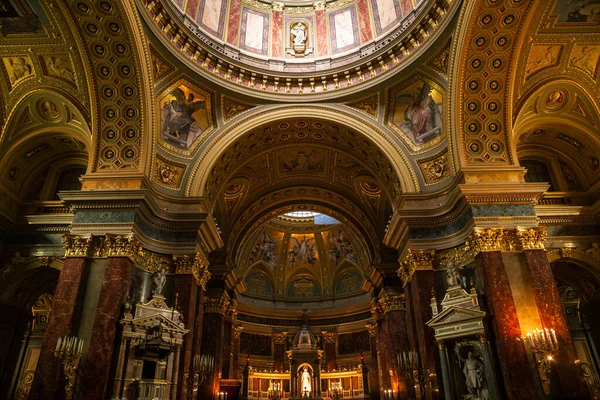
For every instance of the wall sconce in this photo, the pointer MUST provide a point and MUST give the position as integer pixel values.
(544, 345)
(69, 350)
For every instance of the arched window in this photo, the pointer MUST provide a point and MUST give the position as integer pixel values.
(537, 171)
(69, 180)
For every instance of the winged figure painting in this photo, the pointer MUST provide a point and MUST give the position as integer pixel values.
(422, 117)
(178, 122)
(340, 247)
(265, 250)
(303, 250)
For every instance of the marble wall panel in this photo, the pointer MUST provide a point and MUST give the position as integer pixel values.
(233, 26)
(211, 16)
(321, 22)
(254, 35)
(386, 13)
(277, 34)
(343, 29)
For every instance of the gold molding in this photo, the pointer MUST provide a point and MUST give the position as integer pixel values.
(389, 303)
(415, 260)
(279, 337)
(77, 246)
(532, 238)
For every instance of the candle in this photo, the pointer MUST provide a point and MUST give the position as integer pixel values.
(554, 336)
(58, 344)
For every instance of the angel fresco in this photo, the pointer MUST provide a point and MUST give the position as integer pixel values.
(340, 247)
(578, 10)
(265, 250)
(303, 250)
(179, 124)
(421, 119)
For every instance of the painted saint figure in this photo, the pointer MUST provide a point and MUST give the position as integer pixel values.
(179, 121)
(423, 116)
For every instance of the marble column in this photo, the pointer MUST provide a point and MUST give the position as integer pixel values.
(188, 299)
(420, 296)
(213, 335)
(329, 338)
(277, 32)
(446, 371)
(48, 381)
(374, 368)
(279, 339)
(395, 338)
(227, 353)
(514, 362)
(235, 350)
(115, 288)
(551, 311)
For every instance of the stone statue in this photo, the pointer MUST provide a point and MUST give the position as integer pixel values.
(475, 378)
(306, 381)
(159, 278)
(299, 33)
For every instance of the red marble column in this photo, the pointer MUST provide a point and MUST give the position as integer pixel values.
(213, 328)
(279, 351)
(115, 287)
(233, 30)
(330, 351)
(188, 290)
(385, 381)
(227, 353)
(514, 363)
(420, 295)
(374, 368)
(48, 382)
(321, 22)
(552, 314)
(277, 34)
(398, 341)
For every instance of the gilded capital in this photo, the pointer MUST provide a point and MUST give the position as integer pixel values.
(216, 305)
(237, 331)
(319, 5)
(372, 329)
(122, 246)
(183, 264)
(492, 239)
(200, 271)
(415, 260)
(277, 6)
(77, 246)
(279, 337)
(392, 303)
(532, 238)
(329, 337)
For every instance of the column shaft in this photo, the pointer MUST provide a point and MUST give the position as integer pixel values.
(186, 287)
(552, 314)
(514, 363)
(115, 286)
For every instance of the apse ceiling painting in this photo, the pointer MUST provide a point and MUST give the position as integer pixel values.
(186, 115)
(301, 256)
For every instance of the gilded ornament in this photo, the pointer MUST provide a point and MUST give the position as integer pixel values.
(169, 173)
(77, 246)
(565, 252)
(216, 305)
(413, 261)
(122, 246)
(372, 329)
(329, 337)
(390, 303)
(200, 271)
(183, 264)
(279, 337)
(231, 108)
(368, 105)
(532, 238)
(435, 168)
(237, 331)
(487, 239)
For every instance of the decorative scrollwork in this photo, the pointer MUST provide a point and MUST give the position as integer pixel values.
(77, 246)
(532, 238)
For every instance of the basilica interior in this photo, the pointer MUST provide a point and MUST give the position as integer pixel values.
(299, 199)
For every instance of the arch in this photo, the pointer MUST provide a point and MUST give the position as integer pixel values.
(207, 160)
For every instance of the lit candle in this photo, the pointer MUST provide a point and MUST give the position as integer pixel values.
(554, 336)
(58, 344)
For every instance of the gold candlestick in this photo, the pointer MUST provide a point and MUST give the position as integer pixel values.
(544, 346)
(69, 350)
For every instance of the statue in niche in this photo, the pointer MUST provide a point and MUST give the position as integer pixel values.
(299, 34)
(159, 278)
(299, 40)
(306, 381)
(475, 378)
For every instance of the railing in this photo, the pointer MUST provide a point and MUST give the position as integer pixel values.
(149, 390)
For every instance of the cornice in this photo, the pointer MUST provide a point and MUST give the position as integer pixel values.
(225, 65)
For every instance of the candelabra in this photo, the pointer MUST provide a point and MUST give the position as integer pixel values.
(69, 349)
(201, 367)
(408, 362)
(544, 346)
(388, 394)
(336, 390)
(275, 392)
